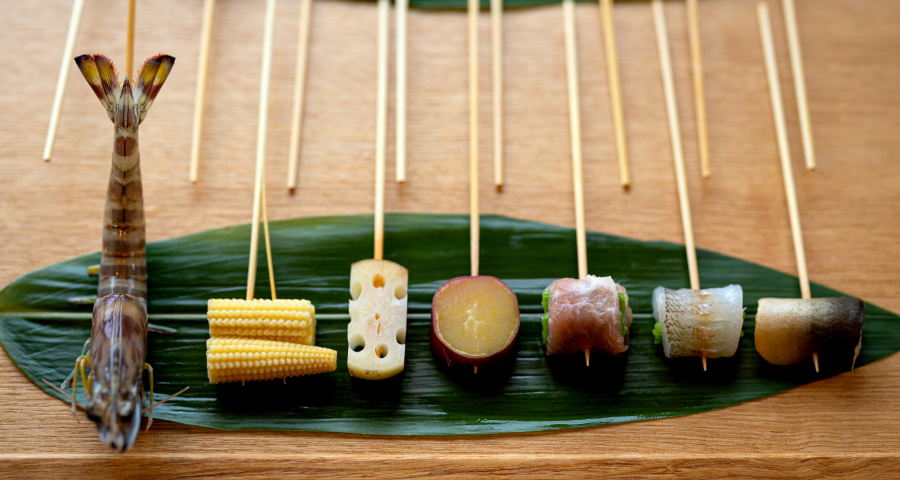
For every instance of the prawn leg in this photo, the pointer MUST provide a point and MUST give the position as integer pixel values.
(86, 380)
(84, 351)
(149, 370)
(161, 329)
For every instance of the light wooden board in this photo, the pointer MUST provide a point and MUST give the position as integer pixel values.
(844, 426)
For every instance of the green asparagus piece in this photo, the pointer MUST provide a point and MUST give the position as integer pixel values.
(545, 321)
(545, 300)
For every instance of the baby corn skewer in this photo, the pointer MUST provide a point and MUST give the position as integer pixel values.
(291, 321)
(263, 339)
(233, 359)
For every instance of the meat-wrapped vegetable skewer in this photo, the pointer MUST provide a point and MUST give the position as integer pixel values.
(588, 314)
(584, 316)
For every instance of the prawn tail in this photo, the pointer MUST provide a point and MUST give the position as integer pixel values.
(150, 79)
(101, 75)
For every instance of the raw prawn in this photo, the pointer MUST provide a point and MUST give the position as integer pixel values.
(118, 343)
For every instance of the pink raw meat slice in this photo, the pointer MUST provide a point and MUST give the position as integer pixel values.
(584, 315)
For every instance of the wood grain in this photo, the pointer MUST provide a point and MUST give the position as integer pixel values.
(848, 426)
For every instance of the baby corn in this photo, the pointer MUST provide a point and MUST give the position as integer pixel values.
(232, 359)
(280, 320)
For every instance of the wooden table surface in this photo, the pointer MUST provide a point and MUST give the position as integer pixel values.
(843, 426)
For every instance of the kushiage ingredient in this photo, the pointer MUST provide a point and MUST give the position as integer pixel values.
(281, 320)
(588, 315)
(118, 343)
(233, 359)
(694, 323)
(377, 329)
(474, 321)
(790, 330)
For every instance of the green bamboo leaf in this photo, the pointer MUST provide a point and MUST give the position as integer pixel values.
(43, 333)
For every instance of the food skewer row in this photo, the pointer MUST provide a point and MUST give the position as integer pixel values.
(575, 132)
(692, 322)
(299, 92)
(789, 331)
(615, 90)
(200, 95)
(497, 83)
(699, 96)
(790, 20)
(74, 22)
(402, 7)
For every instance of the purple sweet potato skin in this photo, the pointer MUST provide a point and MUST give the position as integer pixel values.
(442, 351)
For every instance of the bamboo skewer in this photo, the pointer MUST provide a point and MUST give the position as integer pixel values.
(200, 94)
(299, 92)
(575, 132)
(699, 96)
(474, 219)
(790, 20)
(402, 9)
(765, 30)
(665, 63)
(474, 229)
(74, 22)
(615, 90)
(384, 7)
(265, 216)
(129, 40)
(261, 142)
(497, 82)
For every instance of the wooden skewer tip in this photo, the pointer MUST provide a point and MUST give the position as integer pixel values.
(703, 359)
(497, 85)
(299, 92)
(476, 369)
(74, 22)
(402, 7)
(615, 90)
(200, 94)
(816, 361)
(587, 357)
